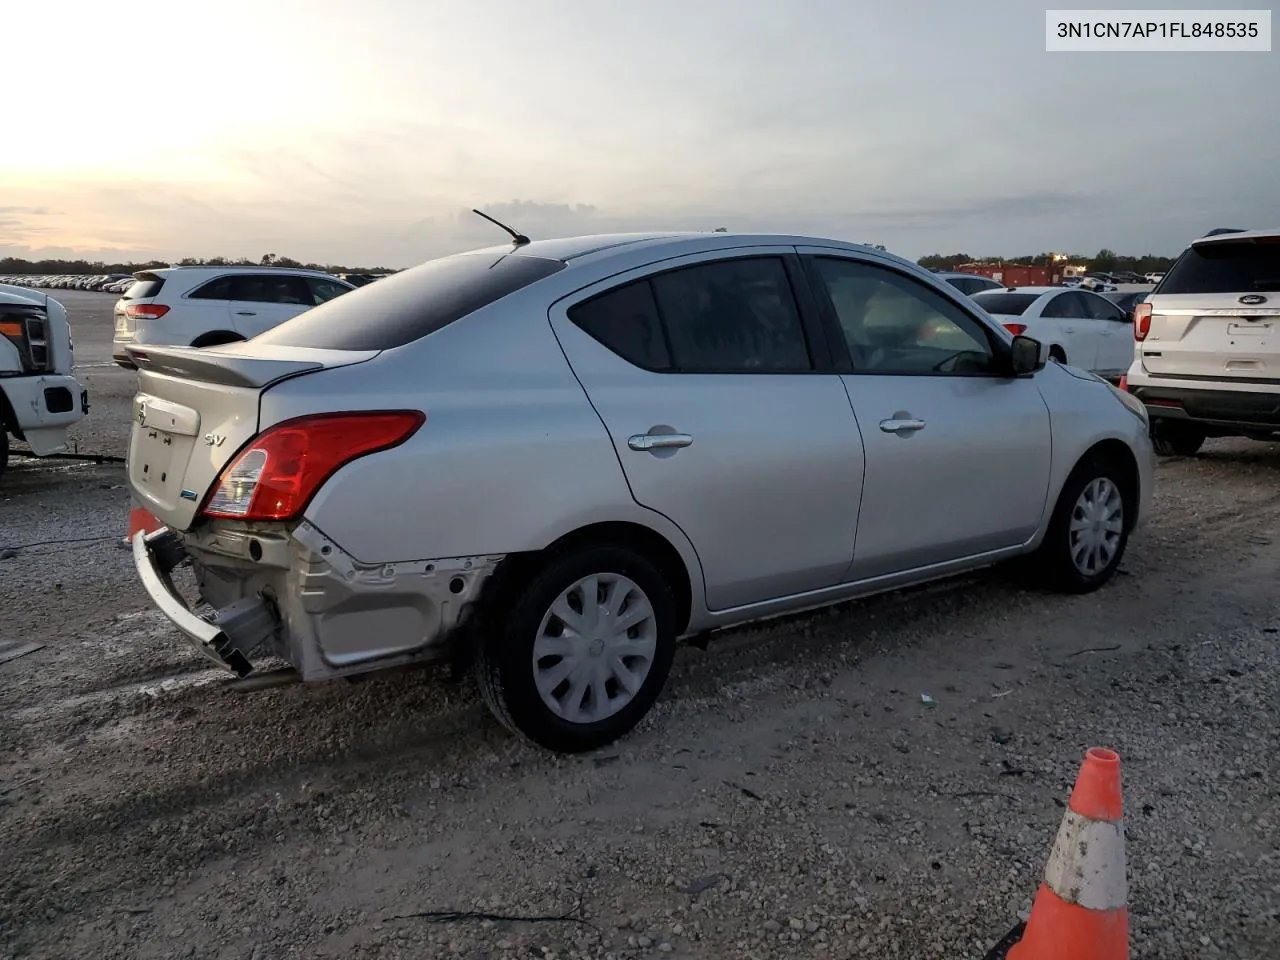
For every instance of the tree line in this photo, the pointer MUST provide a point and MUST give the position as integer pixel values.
(16, 266)
(1105, 261)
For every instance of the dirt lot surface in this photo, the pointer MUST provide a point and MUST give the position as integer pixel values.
(790, 796)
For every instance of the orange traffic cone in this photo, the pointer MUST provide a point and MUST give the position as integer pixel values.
(1081, 910)
(140, 519)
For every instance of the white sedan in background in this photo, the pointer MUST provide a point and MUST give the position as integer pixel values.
(1076, 326)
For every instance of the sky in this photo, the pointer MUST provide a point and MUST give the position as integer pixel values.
(363, 133)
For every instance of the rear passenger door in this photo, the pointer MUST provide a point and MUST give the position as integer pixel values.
(714, 382)
(207, 309)
(1067, 317)
(260, 301)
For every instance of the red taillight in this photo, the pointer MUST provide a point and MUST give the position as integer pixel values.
(275, 476)
(1141, 321)
(1017, 329)
(1124, 382)
(146, 311)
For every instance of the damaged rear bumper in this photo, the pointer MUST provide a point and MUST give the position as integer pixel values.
(294, 594)
(230, 636)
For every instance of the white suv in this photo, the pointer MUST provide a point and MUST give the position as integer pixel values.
(1207, 352)
(205, 306)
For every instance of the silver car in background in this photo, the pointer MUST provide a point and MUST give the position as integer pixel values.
(554, 459)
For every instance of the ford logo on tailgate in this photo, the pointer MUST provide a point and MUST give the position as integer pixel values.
(1252, 299)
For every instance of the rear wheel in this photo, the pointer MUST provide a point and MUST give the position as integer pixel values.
(583, 650)
(1089, 529)
(1057, 353)
(1177, 439)
(4, 450)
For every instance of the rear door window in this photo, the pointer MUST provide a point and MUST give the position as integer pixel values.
(266, 288)
(1066, 306)
(411, 304)
(219, 289)
(1228, 266)
(732, 316)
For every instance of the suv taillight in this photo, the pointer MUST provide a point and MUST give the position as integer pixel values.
(1141, 321)
(146, 311)
(276, 475)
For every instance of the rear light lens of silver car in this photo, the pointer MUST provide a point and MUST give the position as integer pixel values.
(1141, 321)
(276, 475)
(146, 311)
(1017, 329)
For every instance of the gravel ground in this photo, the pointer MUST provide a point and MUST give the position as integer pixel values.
(790, 795)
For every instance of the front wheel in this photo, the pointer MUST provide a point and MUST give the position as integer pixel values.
(1089, 530)
(583, 652)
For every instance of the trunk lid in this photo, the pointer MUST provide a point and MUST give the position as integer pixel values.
(196, 408)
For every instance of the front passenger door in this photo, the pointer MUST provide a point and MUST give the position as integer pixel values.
(957, 453)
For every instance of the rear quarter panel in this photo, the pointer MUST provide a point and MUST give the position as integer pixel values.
(512, 455)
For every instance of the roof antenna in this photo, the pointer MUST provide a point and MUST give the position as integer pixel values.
(518, 238)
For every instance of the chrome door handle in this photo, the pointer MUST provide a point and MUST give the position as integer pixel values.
(901, 426)
(246, 313)
(659, 441)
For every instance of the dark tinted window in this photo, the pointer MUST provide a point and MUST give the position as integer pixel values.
(146, 287)
(322, 291)
(1006, 304)
(626, 321)
(1066, 306)
(407, 306)
(219, 289)
(271, 288)
(893, 324)
(1228, 266)
(1100, 308)
(732, 316)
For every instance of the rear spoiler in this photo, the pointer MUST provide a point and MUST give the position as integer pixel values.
(239, 364)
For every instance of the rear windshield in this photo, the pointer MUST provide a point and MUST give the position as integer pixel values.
(1005, 304)
(411, 304)
(1228, 266)
(143, 288)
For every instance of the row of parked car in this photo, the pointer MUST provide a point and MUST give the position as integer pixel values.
(103, 283)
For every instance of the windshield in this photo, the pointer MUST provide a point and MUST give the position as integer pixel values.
(1227, 266)
(1005, 304)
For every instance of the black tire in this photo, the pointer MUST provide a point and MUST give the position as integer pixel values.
(505, 666)
(1057, 353)
(1055, 564)
(4, 450)
(1177, 439)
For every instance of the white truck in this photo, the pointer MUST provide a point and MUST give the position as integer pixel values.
(40, 396)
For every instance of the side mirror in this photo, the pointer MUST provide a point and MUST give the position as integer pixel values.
(1024, 356)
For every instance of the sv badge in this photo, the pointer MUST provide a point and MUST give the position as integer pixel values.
(214, 439)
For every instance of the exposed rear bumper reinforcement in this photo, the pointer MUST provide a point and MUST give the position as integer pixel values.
(233, 633)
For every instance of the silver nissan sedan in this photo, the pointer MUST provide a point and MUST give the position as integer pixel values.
(552, 460)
